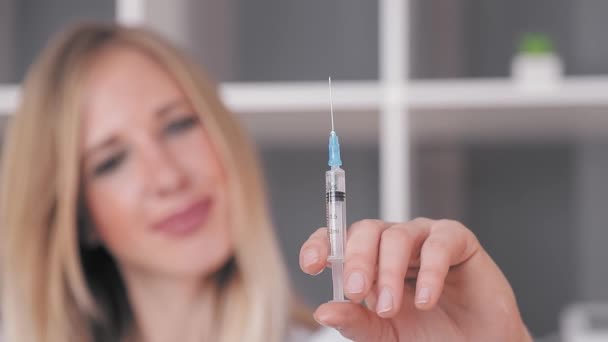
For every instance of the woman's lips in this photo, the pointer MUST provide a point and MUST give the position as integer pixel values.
(186, 221)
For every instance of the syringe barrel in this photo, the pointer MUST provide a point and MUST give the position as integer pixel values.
(335, 197)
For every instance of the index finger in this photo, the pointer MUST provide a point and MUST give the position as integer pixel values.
(314, 252)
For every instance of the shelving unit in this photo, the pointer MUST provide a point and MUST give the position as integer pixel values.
(385, 111)
(286, 97)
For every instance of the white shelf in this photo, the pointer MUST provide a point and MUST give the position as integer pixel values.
(304, 97)
(299, 96)
(579, 91)
(486, 109)
(268, 98)
(499, 93)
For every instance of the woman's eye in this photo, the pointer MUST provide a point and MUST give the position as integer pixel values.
(182, 124)
(109, 164)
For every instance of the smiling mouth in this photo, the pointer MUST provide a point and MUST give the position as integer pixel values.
(186, 221)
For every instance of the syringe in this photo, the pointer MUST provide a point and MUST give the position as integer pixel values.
(335, 197)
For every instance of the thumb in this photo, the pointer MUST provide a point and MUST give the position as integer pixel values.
(355, 322)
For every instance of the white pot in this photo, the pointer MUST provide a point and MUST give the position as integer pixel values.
(537, 71)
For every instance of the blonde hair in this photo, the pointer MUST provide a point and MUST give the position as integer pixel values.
(48, 294)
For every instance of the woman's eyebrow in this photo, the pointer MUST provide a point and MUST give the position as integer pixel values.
(169, 106)
(100, 146)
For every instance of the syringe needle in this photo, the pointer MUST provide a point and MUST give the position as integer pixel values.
(331, 106)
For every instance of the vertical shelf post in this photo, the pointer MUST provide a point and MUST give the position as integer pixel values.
(130, 12)
(394, 132)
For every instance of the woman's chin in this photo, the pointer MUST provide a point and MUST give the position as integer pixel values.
(193, 265)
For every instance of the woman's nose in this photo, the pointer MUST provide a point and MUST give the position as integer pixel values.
(162, 172)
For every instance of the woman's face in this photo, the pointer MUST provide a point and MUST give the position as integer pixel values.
(153, 183)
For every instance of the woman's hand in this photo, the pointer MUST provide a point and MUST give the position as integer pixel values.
(424, 280)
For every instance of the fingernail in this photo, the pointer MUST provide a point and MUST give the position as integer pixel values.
(321, 322)
(355, 283)
(310, 257)
(385, 301)
(423, 296)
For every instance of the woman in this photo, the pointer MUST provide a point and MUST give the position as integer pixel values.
(133, 210)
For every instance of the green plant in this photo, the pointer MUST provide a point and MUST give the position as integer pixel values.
(536, 44)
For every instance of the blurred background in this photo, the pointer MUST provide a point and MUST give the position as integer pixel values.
(499, 119)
